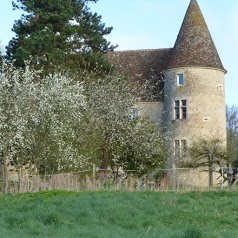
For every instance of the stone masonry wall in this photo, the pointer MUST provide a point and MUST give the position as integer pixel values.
(206, 109)
(151, 109)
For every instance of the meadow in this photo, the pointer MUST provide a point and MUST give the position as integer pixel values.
(119, 214)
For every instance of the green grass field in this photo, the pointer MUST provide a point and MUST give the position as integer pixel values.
(120, 214)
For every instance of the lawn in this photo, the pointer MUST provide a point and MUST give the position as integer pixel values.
(120, 214)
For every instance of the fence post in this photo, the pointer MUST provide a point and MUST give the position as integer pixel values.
(94, 175)
(222, 178)
(175, 179)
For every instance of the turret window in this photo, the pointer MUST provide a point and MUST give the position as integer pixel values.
(180, 109)
(180, 79)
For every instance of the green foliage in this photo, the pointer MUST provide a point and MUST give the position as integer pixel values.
(59, 33)
(119, 214)
(57, 124)
(1, 56)
(113, 138)
(142, 149)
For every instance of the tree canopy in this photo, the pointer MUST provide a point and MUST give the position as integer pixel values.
(56, 124)
(61, 33)
(116, 140)
(37, 119)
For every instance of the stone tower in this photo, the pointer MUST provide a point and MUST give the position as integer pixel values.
(183, 89)
(194, 98)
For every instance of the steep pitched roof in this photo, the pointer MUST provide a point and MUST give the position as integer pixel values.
(144, 69)
(194, 45)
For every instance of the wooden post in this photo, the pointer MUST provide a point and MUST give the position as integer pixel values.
(222, 175)
(175, 179)
(94, 175)
(5, 169)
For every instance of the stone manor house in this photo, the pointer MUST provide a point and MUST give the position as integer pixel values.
(184, 85)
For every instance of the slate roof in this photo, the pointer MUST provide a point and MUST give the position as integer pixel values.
(144, 68)
(194, 45)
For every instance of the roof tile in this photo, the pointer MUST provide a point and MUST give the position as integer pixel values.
(194, 45)
(144, 68)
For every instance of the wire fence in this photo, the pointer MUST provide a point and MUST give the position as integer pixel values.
(171, 179)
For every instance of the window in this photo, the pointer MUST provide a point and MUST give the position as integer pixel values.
(180, 79)
(177, 110)
(184, 109)
(183, 148)
(177, 148)
(180, 109)
(134, 113)
(180, 149)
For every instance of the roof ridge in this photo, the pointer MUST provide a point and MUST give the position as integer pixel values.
(141, 50)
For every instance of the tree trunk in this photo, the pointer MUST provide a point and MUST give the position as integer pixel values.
(210, 171)
(210, 177)
(106, 151)
(5, 169)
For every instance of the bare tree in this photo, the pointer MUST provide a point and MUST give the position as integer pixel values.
(232, 133)
(206, 153)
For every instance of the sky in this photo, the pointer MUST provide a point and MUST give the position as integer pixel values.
(153, 24)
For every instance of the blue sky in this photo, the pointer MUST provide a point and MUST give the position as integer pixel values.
(151, 24)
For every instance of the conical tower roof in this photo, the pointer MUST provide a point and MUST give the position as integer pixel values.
(194, 45)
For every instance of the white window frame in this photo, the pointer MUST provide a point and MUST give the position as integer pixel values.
(180, 109)
(180, 77)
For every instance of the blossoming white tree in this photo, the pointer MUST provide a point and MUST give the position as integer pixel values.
(37, 117)
(57, 124)
(58, 109)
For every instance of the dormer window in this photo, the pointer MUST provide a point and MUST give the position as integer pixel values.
(180, 79)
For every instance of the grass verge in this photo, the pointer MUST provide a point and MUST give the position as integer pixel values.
(120, 214)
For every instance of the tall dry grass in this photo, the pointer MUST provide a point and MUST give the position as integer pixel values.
(186, 180)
